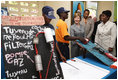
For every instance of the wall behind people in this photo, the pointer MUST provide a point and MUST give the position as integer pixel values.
(108, 5)
(40, 4)
(105, 5)
(18, 9)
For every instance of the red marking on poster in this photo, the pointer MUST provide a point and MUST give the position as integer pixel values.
(22, 20)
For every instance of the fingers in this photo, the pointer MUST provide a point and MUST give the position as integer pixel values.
(63, 59)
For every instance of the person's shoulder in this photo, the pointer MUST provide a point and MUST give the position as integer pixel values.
(109, 23)
(90, 19)
(81, 25)
(51, 26)
(60, 21)
(72, 25)
(112, 23)
(82, 20)
(48, 26)
(97, 22)
(100, 24)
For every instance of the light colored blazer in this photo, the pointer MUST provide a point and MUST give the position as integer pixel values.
(106, 35)
(89, 27)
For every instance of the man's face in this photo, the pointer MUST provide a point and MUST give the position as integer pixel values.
(64, 15)
(86, 14)
(47, 20)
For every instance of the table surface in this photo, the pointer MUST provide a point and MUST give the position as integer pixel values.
(93, 60)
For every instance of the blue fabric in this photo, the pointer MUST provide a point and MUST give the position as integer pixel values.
(48, 11)
(93, 60)
(49, 26)
(90, 47)
(61, 9)
(2, 67)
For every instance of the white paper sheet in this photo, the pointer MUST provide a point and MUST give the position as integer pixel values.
(86, 70)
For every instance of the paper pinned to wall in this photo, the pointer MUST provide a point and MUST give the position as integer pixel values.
(86, 70)
(22, 20)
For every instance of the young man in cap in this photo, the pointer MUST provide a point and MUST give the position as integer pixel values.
(48, 14)
(62, 35)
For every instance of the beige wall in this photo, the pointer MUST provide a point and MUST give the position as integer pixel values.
(105, 5)
(102, 5)
(41, 4)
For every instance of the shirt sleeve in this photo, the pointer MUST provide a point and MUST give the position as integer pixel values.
(92, 28)
(113, 36)
(96, 36)
(72, 34)
(64, 31)
(71, 31)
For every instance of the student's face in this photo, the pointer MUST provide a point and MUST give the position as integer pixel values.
(47, 20)
(86, 14)
(65, 15)
(104, 18)
(77, 19)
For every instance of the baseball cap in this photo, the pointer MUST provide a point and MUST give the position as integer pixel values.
(61, 9)
(48, 11)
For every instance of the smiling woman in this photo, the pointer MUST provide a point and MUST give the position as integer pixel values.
(76, 30)
(106, 33)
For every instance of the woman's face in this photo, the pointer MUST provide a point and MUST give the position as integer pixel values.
(77, 19)
(86, 14)
(104, 18)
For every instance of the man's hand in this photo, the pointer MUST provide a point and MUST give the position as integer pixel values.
(63, 58)
(83, 40)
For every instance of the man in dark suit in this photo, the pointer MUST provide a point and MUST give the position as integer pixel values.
(95, 28)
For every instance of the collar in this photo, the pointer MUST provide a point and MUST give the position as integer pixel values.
(105, 23)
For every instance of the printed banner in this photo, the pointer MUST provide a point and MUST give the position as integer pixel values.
(22, 20)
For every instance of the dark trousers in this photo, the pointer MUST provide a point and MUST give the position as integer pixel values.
(75, 51)
(64, 50)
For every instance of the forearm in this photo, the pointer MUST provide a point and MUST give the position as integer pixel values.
(69, 38)
(58, 50)
(113, 36)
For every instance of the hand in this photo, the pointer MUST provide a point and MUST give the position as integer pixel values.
(83, 40)
(88, 39)
(82, 48)
(110, 49)
(63, 58)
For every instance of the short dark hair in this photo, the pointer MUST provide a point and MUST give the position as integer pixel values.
(108, 13)
(86, 10)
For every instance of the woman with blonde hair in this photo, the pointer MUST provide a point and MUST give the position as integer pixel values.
(76, 30)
